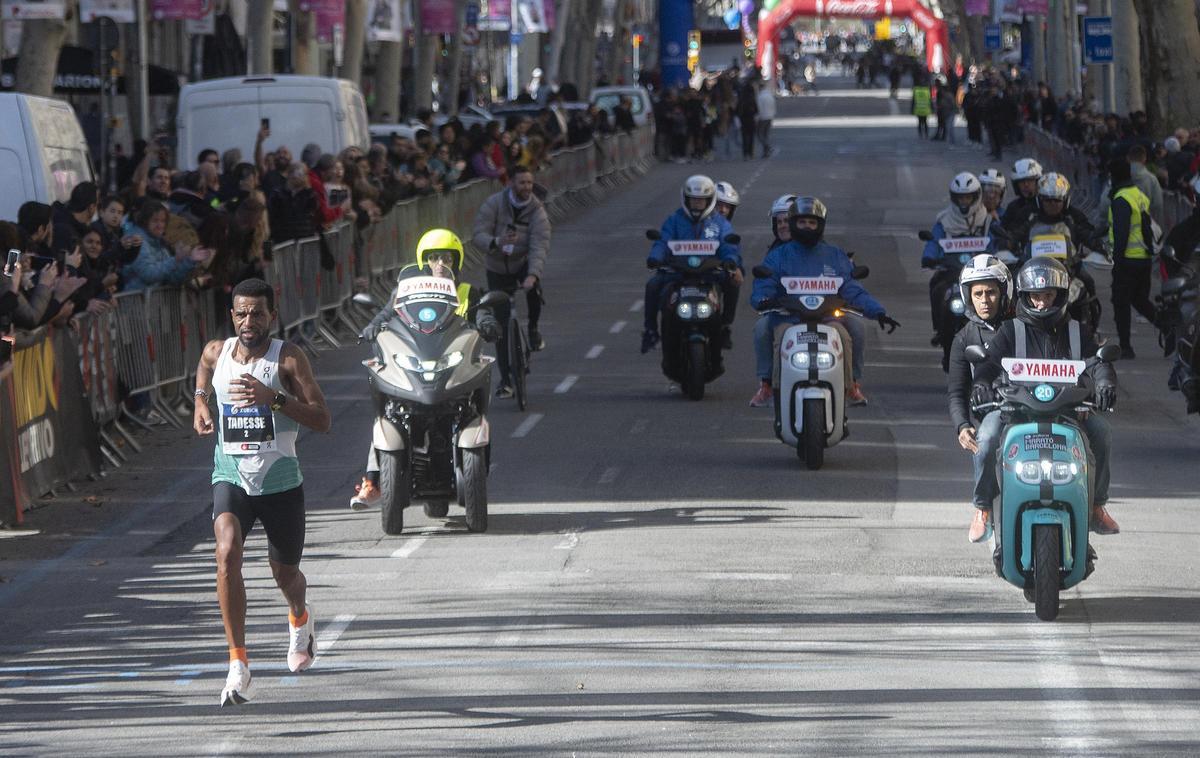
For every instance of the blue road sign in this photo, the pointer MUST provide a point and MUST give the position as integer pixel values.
(472, 16)
(991, 38)
(1097, 39)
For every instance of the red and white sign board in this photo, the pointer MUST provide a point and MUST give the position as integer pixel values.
(812, 285)
(1040, 370)
(965, 244)
(426, 285)
(693, 247)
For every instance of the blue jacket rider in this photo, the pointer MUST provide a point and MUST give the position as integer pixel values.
(806, 255)
(695, 220)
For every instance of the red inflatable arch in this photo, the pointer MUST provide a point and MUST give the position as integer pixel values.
(936, 37)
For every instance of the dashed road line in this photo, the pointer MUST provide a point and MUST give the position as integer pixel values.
(332, 632)
(637, 306)
(566, 384)
(527, 425)
(594, 353)
(409, 547)
(617, 327)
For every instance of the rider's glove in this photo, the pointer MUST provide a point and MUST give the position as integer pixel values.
(489, 327)
(887, 322)
(1106, 397)
(368, 333)
(981, 394)
(767, 303)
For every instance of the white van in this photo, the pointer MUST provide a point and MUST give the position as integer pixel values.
(43, 153)
(225, 113)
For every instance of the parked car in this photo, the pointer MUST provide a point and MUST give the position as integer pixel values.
(640, 103)
(43, 153)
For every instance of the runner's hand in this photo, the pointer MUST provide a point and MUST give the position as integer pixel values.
(248, 391)
(202, 419)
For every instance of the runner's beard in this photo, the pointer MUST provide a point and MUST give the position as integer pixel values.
(253, 339)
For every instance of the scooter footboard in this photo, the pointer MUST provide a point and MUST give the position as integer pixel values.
(1046, 479)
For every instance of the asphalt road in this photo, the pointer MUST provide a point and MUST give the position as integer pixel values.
(660, 576)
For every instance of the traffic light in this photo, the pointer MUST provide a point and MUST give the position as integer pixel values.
(637, 40)
(693, 58)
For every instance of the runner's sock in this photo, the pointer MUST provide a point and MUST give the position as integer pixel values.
(238, 654)
(298, 620)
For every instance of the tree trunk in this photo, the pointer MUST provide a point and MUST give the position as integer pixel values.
(355, 40)
(1037, 28)
(454, 80)
(304, 40)
(41, 41)
(259, 52)
(585, 52)
(387, 82)
(1172, 56)
(1127, 73)
(558, 36)
(426, 53)
(620, 42)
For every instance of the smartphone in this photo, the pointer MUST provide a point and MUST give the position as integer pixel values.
(168, 141)
(266, 123)
(13, 257)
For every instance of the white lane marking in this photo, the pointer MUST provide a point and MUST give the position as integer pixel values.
(610, 475)
(329, 636)
(569, 540)
(898, 445)
(754, 177)
(527, 425)
(566, 384)
(409, 547)
(594, 353)
(737, 576)
(617, 327)
(637, 306)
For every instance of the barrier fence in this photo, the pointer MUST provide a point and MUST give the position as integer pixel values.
(63, 403)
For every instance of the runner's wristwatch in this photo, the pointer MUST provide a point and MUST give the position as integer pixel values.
(278, 401)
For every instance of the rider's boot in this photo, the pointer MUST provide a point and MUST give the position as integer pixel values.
(649, 340)
(1102, 523)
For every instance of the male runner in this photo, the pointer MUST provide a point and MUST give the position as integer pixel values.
(265, 390)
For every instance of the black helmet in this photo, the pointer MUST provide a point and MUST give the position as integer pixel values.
(806, 207)
(1043, 273)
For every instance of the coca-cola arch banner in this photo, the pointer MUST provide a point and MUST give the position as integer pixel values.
(769, 25)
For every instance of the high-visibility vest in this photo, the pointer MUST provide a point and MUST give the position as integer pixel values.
(1139, 204)
(921, 102)
(464, 300)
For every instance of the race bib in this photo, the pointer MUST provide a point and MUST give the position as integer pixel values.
(700, 248)
(247, 431)
(1040, 370)
(957, 245)
(811, 285)
(1048, 246)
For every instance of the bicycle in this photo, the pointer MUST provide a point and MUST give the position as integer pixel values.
(518, 352)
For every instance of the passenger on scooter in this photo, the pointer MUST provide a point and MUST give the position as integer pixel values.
(727, 200)
(1049, 333)
(439, 253)
(727, 205)
(779, 221)
(986, 289)
(994, 184)
(966, 216)
(807, 255)
(693, 220)
(1025, 175)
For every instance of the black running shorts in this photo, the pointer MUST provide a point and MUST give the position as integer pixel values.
(281, 514)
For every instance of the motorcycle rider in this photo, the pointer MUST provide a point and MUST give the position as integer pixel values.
(994, 184)
(986, 289)
(1025, 176)
(966, 216)
(806, 254)
(1049, 332)
(439, 253)
(727, 200)
(727, 205)
(779, 221)
(693, 220)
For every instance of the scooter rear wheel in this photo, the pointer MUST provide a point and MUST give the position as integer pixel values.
(1047, 558)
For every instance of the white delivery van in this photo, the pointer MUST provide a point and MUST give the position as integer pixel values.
(43, 153)
(225, 113)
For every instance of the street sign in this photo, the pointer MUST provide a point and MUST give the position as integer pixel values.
(992, 39)
(470, 32)
(1097, 39)
(515, 38)
(472, 15)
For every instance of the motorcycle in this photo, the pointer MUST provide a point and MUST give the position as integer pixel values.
(1040, 522)
(1054, 241)
(430, 387)
(811, 364)
(691, 313)
(957, 252)
(1178, 321)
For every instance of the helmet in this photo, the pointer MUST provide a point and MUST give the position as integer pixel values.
(699, 186)
(1054, 186)
(984, 268)
(783, 202)
(729, 196)
(1026, 168)
(806, 207)
(1043, 273)
(437, 241)
(964, 186)
(993, 178)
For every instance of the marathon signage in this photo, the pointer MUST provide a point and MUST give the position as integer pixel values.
(1049, 371)
(807, 285)
(693, 247)
(965, 244)
(1049, 246)
(427, 288)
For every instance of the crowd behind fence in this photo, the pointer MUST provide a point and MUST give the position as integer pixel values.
(65, 407)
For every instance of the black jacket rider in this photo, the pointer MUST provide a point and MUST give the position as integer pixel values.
(1041, 343)
(1082, 231)
(960, 375)
(485, 320)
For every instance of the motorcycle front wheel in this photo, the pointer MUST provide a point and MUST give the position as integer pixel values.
(812, 442)
(697, 369)
(1046, 562)
(472, 488)
(395, 484)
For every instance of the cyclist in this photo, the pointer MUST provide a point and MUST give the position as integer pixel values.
(512, 230)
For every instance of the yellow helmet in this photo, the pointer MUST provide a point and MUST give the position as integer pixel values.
(440, 240)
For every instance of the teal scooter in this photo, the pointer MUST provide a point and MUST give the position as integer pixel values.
(1040, 523)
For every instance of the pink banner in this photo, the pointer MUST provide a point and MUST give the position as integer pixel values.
(329, 13)
(978, 7)
(438, 17)
(1034, 7)
(173, 10)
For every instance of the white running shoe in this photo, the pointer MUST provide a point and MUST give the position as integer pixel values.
(302, 645)
(237, 684)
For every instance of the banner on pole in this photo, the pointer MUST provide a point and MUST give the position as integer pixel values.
(438, 17)
(176, 10)
(29, 10)
(329, 13)
(1034, 7)
(384, 21)
(977, 7)
(119, 11)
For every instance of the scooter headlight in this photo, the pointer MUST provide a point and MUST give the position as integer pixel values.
(1063, 473)
(704, 310)
(957, 307)
(684, 310)
(824, 360)
(1030, 472)
(450, 360)
(801, 360)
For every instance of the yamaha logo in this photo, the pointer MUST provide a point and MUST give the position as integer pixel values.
(1017, 369)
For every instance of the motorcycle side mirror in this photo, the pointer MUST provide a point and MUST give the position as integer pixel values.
(653, 235)
(362, 298)
(1109, 353)
(733, 239)
(1167, 252)
(975, 354)
(495, 297)
(925, 235)
(762, 272)
(860, 272)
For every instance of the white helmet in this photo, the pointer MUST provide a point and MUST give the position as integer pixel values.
(783, 202)
(1026, 168)
(993, 178)
(1054, 186)
(965, 185)
(727, 194)
(983, 268)
(699, 186)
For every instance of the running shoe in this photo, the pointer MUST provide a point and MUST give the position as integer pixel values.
(536, 342)
(302, 646)
(855, 394)
(763, 397)
(504, 391)
(366, 495)
(237, 684)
